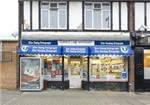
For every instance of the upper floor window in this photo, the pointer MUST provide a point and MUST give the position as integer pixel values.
(97, 15)
(53, 15)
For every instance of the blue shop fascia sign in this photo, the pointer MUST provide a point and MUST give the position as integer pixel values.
(52, 47)
(75, 50)
(39, 47)
(55, 42)
(111, 47)
(115, 50)
(39, 42)
(112, 43)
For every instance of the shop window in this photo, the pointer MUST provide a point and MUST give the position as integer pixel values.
(146, 64)
(97, 15)
(108, 69)
(53, 68)
(53, 15)
(6, 56)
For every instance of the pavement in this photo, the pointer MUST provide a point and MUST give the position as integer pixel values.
(73, 97)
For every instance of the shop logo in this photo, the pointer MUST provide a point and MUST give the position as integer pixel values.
(124, 49)
(24, 48)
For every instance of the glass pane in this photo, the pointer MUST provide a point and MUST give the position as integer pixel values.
(53, 5)
(62, 19)
(88, 21)
(106, 19)
(106, 6)
(97, 5)
(62, 5)
(52, 68)
(146, 64)
(84, 68)
(88, 5)
(108, 69)
(97, 18)
(53, 18)
(45, 5)
(66, 68)
(44, 19)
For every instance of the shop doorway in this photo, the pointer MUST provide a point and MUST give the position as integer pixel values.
(75, 72)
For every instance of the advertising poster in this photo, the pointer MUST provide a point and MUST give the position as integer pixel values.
(30, 73)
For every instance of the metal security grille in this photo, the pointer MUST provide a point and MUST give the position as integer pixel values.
(6, 56)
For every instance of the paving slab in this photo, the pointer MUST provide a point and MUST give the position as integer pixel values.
(74, 97)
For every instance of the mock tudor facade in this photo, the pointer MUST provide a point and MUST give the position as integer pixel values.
(80, 44)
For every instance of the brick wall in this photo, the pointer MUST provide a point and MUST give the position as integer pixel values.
(9, 69)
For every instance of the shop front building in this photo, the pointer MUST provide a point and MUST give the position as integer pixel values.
(100, 65)
(74, 44)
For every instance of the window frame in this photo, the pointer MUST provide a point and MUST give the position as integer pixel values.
(58, 12)
(126, 68)
(101, 20)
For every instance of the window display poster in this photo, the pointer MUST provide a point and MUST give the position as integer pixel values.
(52, 70)
(109, 69)
(30, 73)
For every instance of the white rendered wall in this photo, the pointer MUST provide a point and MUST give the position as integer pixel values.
(124, 16)
(139, 15)
(115, 16)
(26, 13)
(75, 15)
(8, 18)
(35, 15)
(148, 16)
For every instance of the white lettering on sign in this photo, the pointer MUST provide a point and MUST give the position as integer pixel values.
(39, 42)
(75, 50)
(75, 43)
(44, 49)
(111, 43)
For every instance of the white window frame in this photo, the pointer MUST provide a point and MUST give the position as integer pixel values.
(92, 10)
(58, 26)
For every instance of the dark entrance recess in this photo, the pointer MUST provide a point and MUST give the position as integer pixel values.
(139, 68)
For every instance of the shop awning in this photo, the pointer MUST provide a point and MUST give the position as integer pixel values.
(39, 49)
(75, 50)
(111, 50)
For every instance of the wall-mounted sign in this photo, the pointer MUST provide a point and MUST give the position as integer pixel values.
(75, 50)
(118, 50)
(39, 42)
(76, 43)
(112, 42)
(41, 49)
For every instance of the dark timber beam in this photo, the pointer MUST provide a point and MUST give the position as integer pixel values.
(91, 0)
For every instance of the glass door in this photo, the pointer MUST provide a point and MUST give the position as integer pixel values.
(75, 72)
